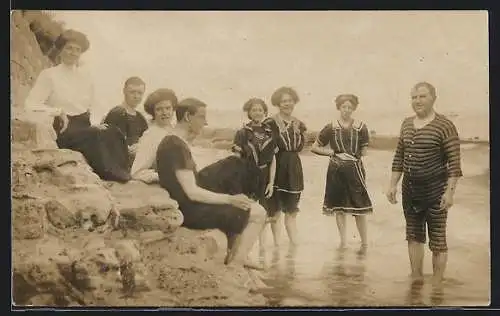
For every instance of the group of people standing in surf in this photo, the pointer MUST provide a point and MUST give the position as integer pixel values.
(263, 178)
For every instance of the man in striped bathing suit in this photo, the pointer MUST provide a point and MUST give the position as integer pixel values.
(428, 157)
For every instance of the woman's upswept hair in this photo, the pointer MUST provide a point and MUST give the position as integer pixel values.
(72, 36)
(278, 94)
(254, 101)
(339, 100)
(156, 97)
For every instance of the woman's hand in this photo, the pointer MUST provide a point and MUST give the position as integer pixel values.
(132, 149)
(269, 190)
(241, 201)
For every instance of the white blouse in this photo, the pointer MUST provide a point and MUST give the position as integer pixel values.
(146, 150)
(61, 88)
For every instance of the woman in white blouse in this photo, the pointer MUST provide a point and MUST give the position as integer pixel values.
(160, 105)
(66, 94)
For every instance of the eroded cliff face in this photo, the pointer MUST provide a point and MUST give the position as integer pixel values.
(78, 240)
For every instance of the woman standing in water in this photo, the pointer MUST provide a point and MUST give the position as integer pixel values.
(288, 132)
(65, 94)
(255, 143)
(345, 141)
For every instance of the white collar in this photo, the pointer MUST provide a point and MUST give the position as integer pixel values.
(356, 124)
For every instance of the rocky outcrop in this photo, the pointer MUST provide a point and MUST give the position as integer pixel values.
(26, 57)
(78, 240)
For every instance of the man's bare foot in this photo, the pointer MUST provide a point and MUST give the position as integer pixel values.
(227, 258)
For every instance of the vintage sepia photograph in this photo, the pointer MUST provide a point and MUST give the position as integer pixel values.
(195, 159)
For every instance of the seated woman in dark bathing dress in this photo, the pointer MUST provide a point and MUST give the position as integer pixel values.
(66, 93)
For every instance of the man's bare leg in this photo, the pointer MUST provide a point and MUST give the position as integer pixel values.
(416, 255)
(244, 243)
(231, 242)
(439, 260)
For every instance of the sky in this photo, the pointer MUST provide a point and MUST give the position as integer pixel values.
(225, 57)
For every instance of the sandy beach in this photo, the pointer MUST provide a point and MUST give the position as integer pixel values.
(316, 276)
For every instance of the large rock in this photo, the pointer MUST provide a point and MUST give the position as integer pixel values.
(63, 182)
(145, 207)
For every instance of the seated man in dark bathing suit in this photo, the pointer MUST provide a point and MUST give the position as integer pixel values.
(240, 218)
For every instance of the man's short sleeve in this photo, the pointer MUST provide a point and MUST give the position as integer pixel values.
(177, 153)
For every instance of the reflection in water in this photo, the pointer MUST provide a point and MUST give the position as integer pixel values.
(281, 279)
(345, 280)
(414, 296)
(437, 295)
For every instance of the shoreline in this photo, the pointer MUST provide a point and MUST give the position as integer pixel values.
(222, 137)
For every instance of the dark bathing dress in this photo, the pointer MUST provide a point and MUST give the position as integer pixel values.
(105, 150)
(256, 145)
(249, 174)
(131, 126)
(174, 154)
(289, 181)
(345, 189)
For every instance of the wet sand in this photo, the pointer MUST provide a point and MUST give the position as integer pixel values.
(316, 274)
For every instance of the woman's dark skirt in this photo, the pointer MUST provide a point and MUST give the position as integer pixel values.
(289, 174)
(105, 150)
(234, 175)
(345, 189)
